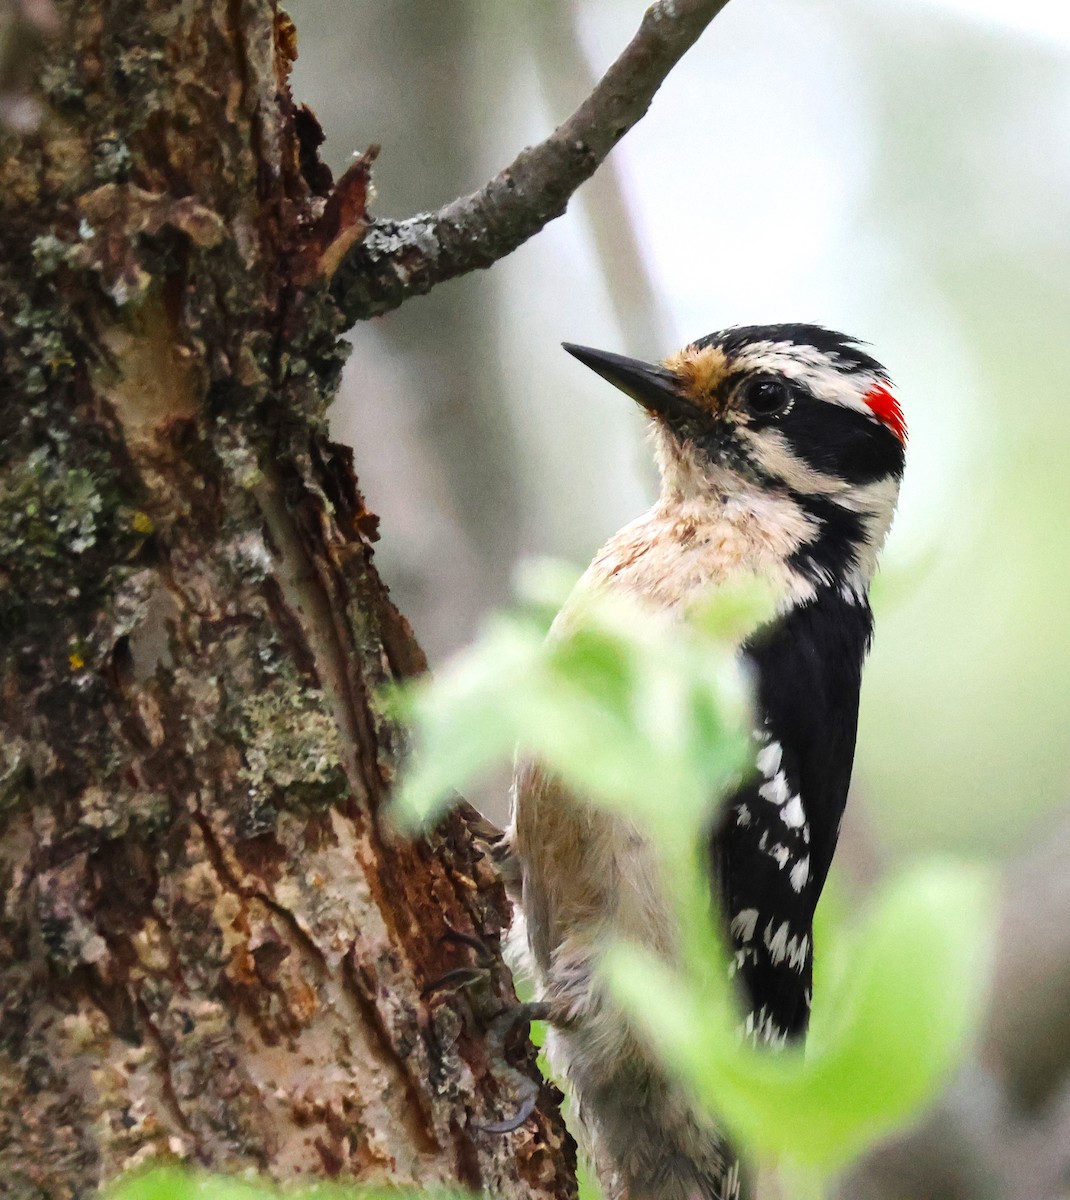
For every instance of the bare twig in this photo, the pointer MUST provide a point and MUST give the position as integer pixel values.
(399, 259)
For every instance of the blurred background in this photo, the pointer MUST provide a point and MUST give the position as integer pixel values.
(897, 169)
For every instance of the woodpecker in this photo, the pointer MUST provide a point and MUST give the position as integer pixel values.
(781, 450)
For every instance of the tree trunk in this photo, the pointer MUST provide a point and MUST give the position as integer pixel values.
(212, 944)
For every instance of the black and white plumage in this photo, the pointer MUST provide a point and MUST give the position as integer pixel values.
(781, 450)
(773, 849)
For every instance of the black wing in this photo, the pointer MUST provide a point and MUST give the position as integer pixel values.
(773, 849)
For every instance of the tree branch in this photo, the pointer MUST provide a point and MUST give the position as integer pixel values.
(399, 259)
(562, 65)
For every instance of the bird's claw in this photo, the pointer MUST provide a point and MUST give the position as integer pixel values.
(527, 1107)
(499, 1030)
(455, 981)
(503, 1025)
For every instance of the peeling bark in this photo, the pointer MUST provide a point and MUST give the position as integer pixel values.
(212, 945)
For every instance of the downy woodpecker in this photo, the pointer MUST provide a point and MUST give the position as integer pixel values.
(781, 450)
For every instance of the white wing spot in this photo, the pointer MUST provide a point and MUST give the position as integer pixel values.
(761, 1027)
(743, 924)
(777, 790)
(777, 943)
(769, 759)
(800, 873)
(792, 813)
(797, 951)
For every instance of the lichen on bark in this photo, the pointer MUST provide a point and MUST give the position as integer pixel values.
(213, 946)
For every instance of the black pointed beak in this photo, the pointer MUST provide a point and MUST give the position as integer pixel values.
(656, 388)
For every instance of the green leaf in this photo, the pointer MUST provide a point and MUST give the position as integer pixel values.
(905, 1016)
(178, 1183)
(735, 612)
(465, 721)
(681, 1023)
(630, 710)
(887, 1035)
(162, 1183)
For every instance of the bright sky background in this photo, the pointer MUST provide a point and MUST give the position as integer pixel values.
(1047, 19)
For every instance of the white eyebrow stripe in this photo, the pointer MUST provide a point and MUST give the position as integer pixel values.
(810, 367)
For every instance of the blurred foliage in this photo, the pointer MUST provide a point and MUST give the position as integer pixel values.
(178, 1183)
(577, 700)
(647, 718)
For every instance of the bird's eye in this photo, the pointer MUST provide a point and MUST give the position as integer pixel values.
(768, 397)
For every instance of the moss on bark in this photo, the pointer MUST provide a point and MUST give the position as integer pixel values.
(212, 947)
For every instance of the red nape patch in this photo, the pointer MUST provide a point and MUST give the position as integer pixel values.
(885, 407)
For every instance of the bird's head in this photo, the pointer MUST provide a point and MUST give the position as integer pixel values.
(794, 416)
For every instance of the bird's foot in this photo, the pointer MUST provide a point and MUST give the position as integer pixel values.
(475, 979)
(501, 1028)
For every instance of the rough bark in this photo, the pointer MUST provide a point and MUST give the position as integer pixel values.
(212, 945)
